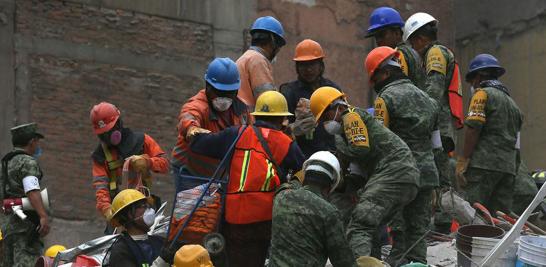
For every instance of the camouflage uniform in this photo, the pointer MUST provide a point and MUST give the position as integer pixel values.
(411, 63)
(525, 189)
(391, 170)
(492, 168)
(412, 115)
(306, 230)
(439, 65)
(22, 244)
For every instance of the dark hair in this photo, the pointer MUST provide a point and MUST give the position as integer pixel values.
(316, 177)
(261, 38)
(429, 30)
(485, 74)
(22, 141)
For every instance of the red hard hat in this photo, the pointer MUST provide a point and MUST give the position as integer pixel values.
(308, 50)
(104, 116)
(376, 57)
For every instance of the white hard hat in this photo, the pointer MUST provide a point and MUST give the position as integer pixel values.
(326, 158)
(415, 22)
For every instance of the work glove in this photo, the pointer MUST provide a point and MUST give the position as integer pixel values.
(107, 213)
(140, 163)
(305, 121)
(367, 261)
(462, 165)
(193, 131)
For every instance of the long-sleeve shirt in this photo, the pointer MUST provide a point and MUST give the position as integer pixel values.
(217, 146)
(101, 174)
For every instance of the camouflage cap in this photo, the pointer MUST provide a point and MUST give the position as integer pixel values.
(22, 134)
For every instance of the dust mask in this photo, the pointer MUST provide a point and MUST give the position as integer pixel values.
(222, 103)
(472, 90)
(149, 217)
(332, 127)
(115, 137)
(37, 152)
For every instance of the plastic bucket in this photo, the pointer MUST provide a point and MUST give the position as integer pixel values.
(482, 246)
(532, 250)
(467, 234)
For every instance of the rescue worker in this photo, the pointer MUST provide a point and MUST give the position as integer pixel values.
(255, 64)
(21, 176)
(443, 84)
(525, 189)
(380, 154)
(262, 157)
(412, 115)
(488, 165)
(212, 109)
(307, 228)
(134, 247)
(309, 58)
(118, 144)
(386, 27)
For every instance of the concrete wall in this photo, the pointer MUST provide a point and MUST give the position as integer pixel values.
(339, 26)
(517, 37)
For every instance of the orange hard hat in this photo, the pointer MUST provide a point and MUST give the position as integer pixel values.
(104, 116)
(308, 50)
(376, 57)
(322, 98)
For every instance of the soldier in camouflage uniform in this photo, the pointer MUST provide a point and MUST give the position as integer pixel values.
(488, 165)
(384, 158)
(442, 83)
(412, 115)
(20, 178)
(386, 27)
(525, 189)
(306, 228)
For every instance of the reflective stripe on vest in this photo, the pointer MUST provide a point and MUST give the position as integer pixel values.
(113, 165)
(253, 177)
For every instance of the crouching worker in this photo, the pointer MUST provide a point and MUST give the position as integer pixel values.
(306, 228)
(262, 157)
(134, 247)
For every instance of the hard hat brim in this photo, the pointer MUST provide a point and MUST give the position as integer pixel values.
(272, 114)
(106, 128)
(500, 71)
(224, 87)
(374, 29)
(307, 58)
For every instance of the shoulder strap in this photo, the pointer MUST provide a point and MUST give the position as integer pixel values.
(4, 175)
(266, 147)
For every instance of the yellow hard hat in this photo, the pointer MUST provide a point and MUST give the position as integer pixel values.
(322, 98)
(271, 103)
(192, 256)
(123, 199)
(54, 250)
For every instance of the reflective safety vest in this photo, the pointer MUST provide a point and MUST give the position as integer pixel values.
(253, 178)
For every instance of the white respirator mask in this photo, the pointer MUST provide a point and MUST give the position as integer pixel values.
(149, 216)
(222, 103)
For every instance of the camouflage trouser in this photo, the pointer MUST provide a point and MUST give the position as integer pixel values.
(408, 226)
(377, 205)
(446, 171)
(492, 189)
(21, 252)
(525, 190)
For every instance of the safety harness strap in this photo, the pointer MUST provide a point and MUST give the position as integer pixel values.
(113, 165)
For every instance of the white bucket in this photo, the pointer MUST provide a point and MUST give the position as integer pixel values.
(532, 250)
(481, 246)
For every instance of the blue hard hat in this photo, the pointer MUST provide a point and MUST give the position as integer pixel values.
(484, 61)
(223, 74)
(270, 24)
(384, 17)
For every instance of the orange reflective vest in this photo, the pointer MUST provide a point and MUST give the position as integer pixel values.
(253, 177)
(456, 97)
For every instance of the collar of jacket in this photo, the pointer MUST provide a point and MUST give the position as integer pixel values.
(238, 108)
(394, 79)
(259, 50)
(495, 84)
(264, 124)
